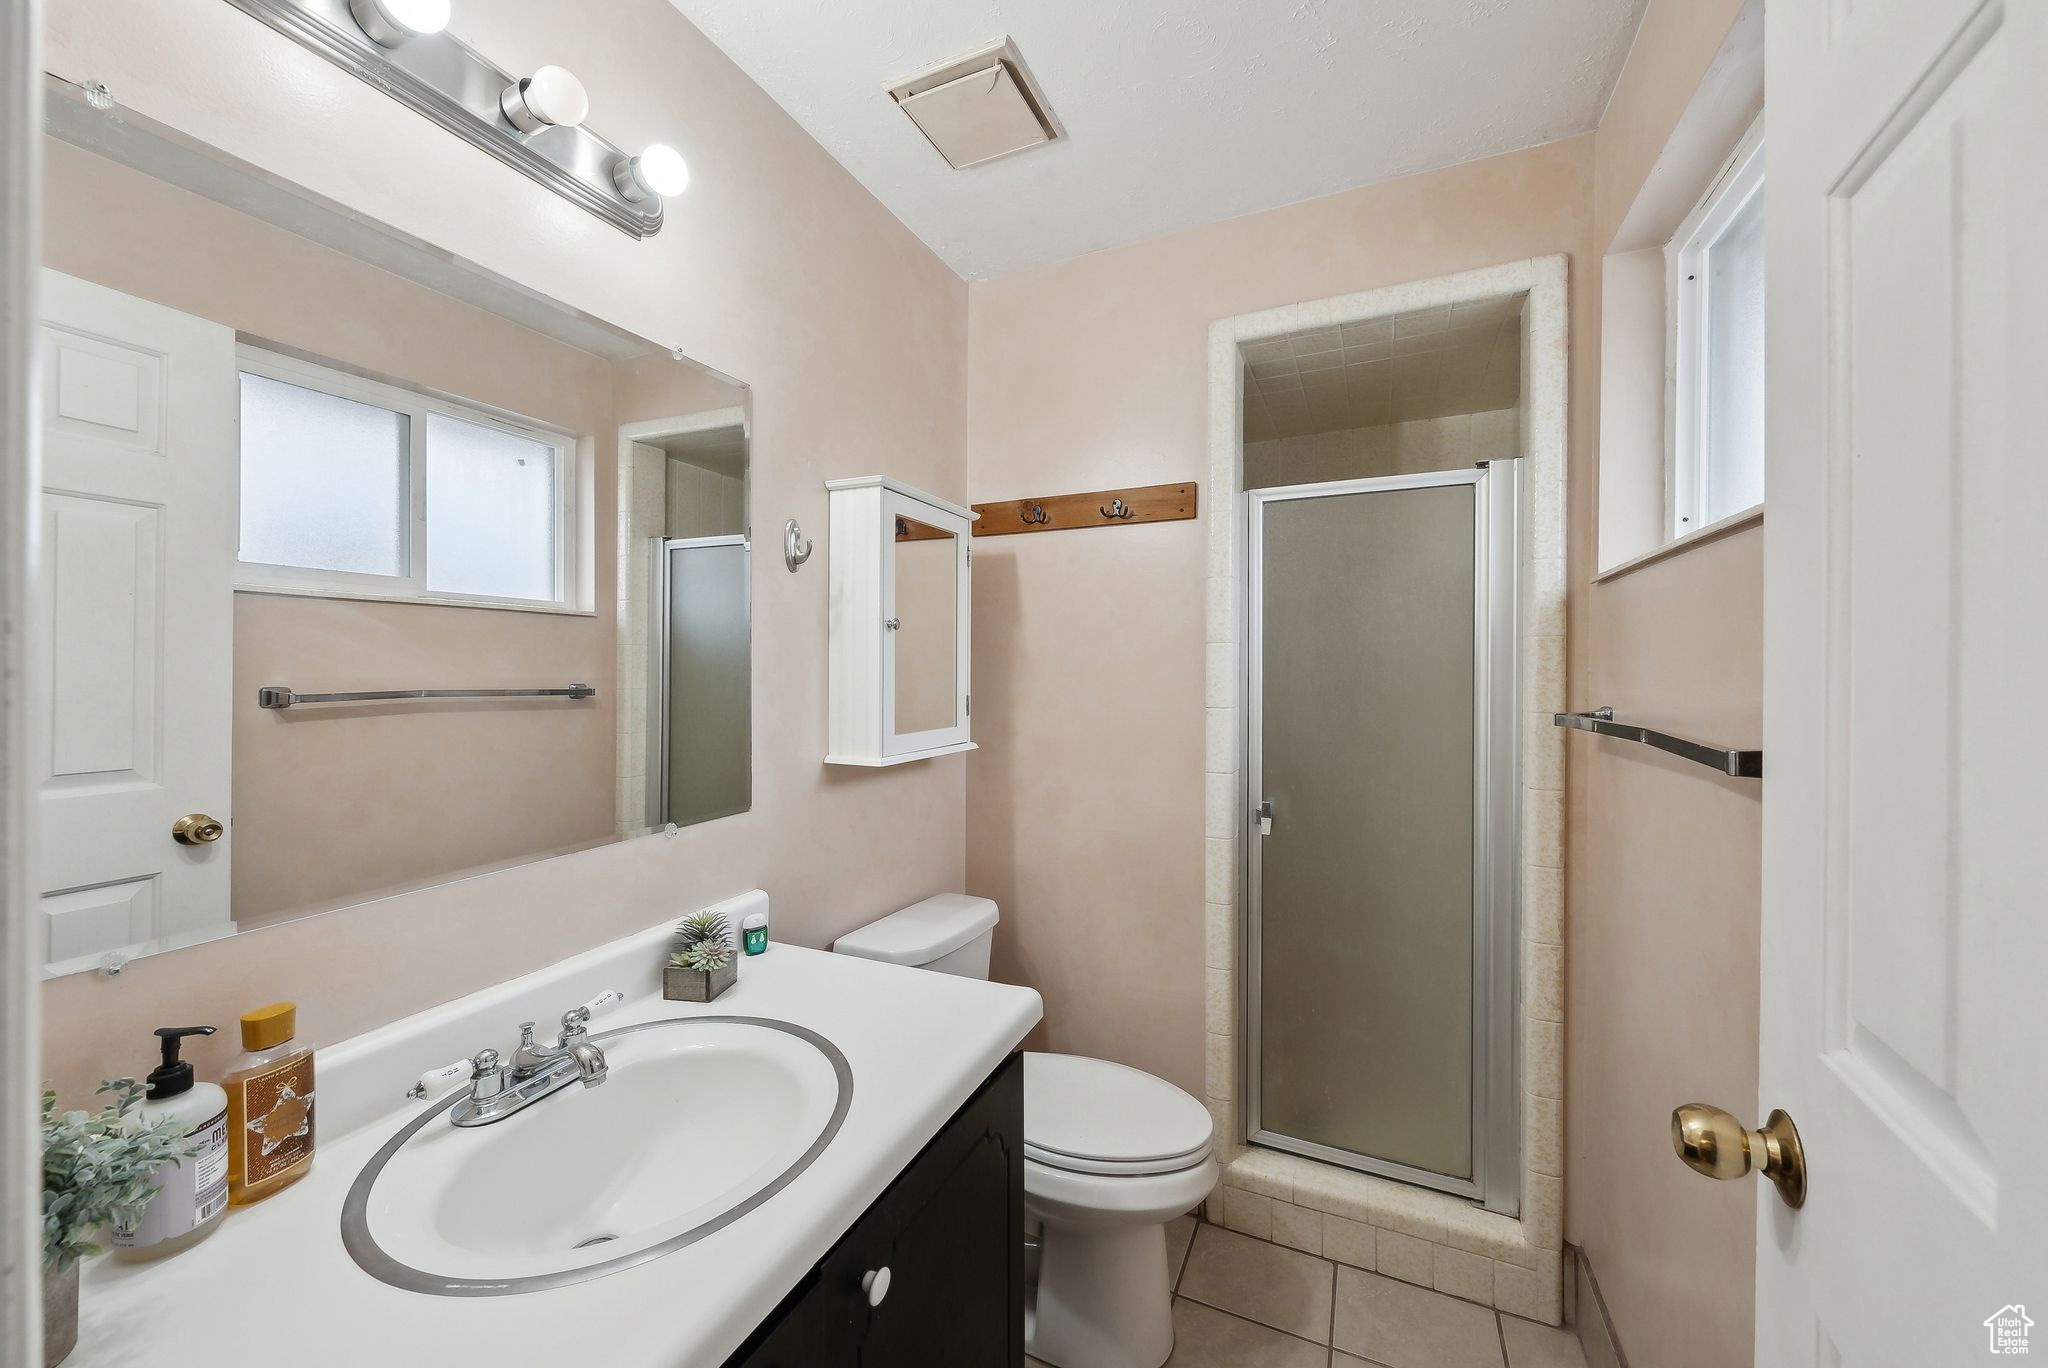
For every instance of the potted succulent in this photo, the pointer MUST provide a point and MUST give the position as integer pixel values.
(97, 1170)
(701, 963)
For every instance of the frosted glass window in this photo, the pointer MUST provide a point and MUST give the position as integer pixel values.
(1717, 332)
(325, 481)
(491, 514)
(355, 486)
(1732, 474)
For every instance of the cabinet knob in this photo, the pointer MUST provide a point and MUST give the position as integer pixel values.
(875, 1282)
(892, 623)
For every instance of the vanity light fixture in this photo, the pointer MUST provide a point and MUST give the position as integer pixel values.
(656, 173)
(392, 22)
(550, 98)
(404, 49)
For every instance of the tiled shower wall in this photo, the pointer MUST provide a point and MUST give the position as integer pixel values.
(643, 483)
(1461, 439)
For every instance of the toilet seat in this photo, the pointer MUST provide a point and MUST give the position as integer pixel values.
(1109, 1168)
(1091, 1116)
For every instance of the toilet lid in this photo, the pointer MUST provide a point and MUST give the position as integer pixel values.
(1092, 1116)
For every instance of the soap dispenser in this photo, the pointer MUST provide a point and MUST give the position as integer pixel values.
(192, 1194)
(270, 1105)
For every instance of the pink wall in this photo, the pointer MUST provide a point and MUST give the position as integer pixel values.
(1663, 896)
(1085, 810)
(776, 268)
(1085, 801)
(1662, 907)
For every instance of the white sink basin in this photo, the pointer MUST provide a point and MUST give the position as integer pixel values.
(698, 1121)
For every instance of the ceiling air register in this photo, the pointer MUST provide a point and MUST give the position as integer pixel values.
(980, 107)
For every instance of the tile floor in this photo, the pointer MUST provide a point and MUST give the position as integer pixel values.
(1243, 1303)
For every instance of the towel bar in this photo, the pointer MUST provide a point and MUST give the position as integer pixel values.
(1737, 764)
(281, 696)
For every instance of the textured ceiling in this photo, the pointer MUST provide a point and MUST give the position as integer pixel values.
(1463, 358)
(1178, 112)
(722, 451)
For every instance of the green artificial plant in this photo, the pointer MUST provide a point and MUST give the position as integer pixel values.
(703, 942)
(97, 1168)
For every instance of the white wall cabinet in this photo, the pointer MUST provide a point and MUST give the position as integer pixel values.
(898, 629)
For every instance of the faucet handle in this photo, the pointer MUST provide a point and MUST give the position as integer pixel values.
(603, 1002)
(575, 1017)
(435, 1081)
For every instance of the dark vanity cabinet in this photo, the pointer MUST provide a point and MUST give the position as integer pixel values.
(948, 1236)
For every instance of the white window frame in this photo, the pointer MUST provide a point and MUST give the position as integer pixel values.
(1739, 180)
(411, 587)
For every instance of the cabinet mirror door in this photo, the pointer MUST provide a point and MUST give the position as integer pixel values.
(926, 627)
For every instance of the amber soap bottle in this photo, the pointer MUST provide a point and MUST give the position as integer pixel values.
(270, 1106)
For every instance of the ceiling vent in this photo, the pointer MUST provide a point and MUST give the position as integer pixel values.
(980, 107)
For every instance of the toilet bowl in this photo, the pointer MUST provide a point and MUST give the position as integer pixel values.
(1111, 1154)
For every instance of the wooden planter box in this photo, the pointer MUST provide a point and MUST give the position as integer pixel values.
(694, 985)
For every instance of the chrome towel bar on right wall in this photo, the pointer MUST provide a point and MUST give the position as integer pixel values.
(1738, 764)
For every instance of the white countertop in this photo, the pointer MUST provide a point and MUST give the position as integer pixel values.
(274, 1283)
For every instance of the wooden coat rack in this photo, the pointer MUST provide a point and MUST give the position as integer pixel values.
(1103, 508)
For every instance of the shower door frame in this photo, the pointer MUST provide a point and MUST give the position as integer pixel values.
(1496, 847)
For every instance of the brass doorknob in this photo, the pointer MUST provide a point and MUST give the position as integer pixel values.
(196, 828)
(1712, 1142)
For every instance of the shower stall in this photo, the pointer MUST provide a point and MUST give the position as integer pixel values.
(684, 621)
(1382, 768)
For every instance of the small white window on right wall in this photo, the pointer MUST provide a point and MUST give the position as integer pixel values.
(1715, 267)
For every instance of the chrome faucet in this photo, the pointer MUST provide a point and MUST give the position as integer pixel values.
(497, 1090)
(531, 1060)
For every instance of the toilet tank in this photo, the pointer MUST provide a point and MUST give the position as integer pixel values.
(949, 932)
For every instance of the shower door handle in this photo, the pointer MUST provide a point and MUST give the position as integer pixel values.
(1264, 816)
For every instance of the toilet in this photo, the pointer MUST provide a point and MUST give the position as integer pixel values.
(1111, 1154)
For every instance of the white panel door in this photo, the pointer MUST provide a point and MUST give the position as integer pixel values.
(134, 616)
(1905, 939)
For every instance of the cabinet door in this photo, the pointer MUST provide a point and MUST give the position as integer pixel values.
(949, 1299)
(925, 604)
(950, 1233)
(817, 1326)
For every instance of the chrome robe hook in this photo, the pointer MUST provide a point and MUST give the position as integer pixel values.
(795, 548)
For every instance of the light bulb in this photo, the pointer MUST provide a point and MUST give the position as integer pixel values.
(662, 169)
(391, 22)
(658, 171)
(551, 97)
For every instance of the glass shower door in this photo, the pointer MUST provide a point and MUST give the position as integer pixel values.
(1373, 693)
(706, 751)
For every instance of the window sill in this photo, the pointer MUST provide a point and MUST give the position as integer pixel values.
(360, 596)
(1734, 522)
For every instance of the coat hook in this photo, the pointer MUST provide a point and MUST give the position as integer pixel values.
(1117, 509)
(796, 549)
(1035, 514)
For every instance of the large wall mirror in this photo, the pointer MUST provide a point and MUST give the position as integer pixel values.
(360, 569)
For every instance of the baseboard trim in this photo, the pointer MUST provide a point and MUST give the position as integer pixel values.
(1594, 1326)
